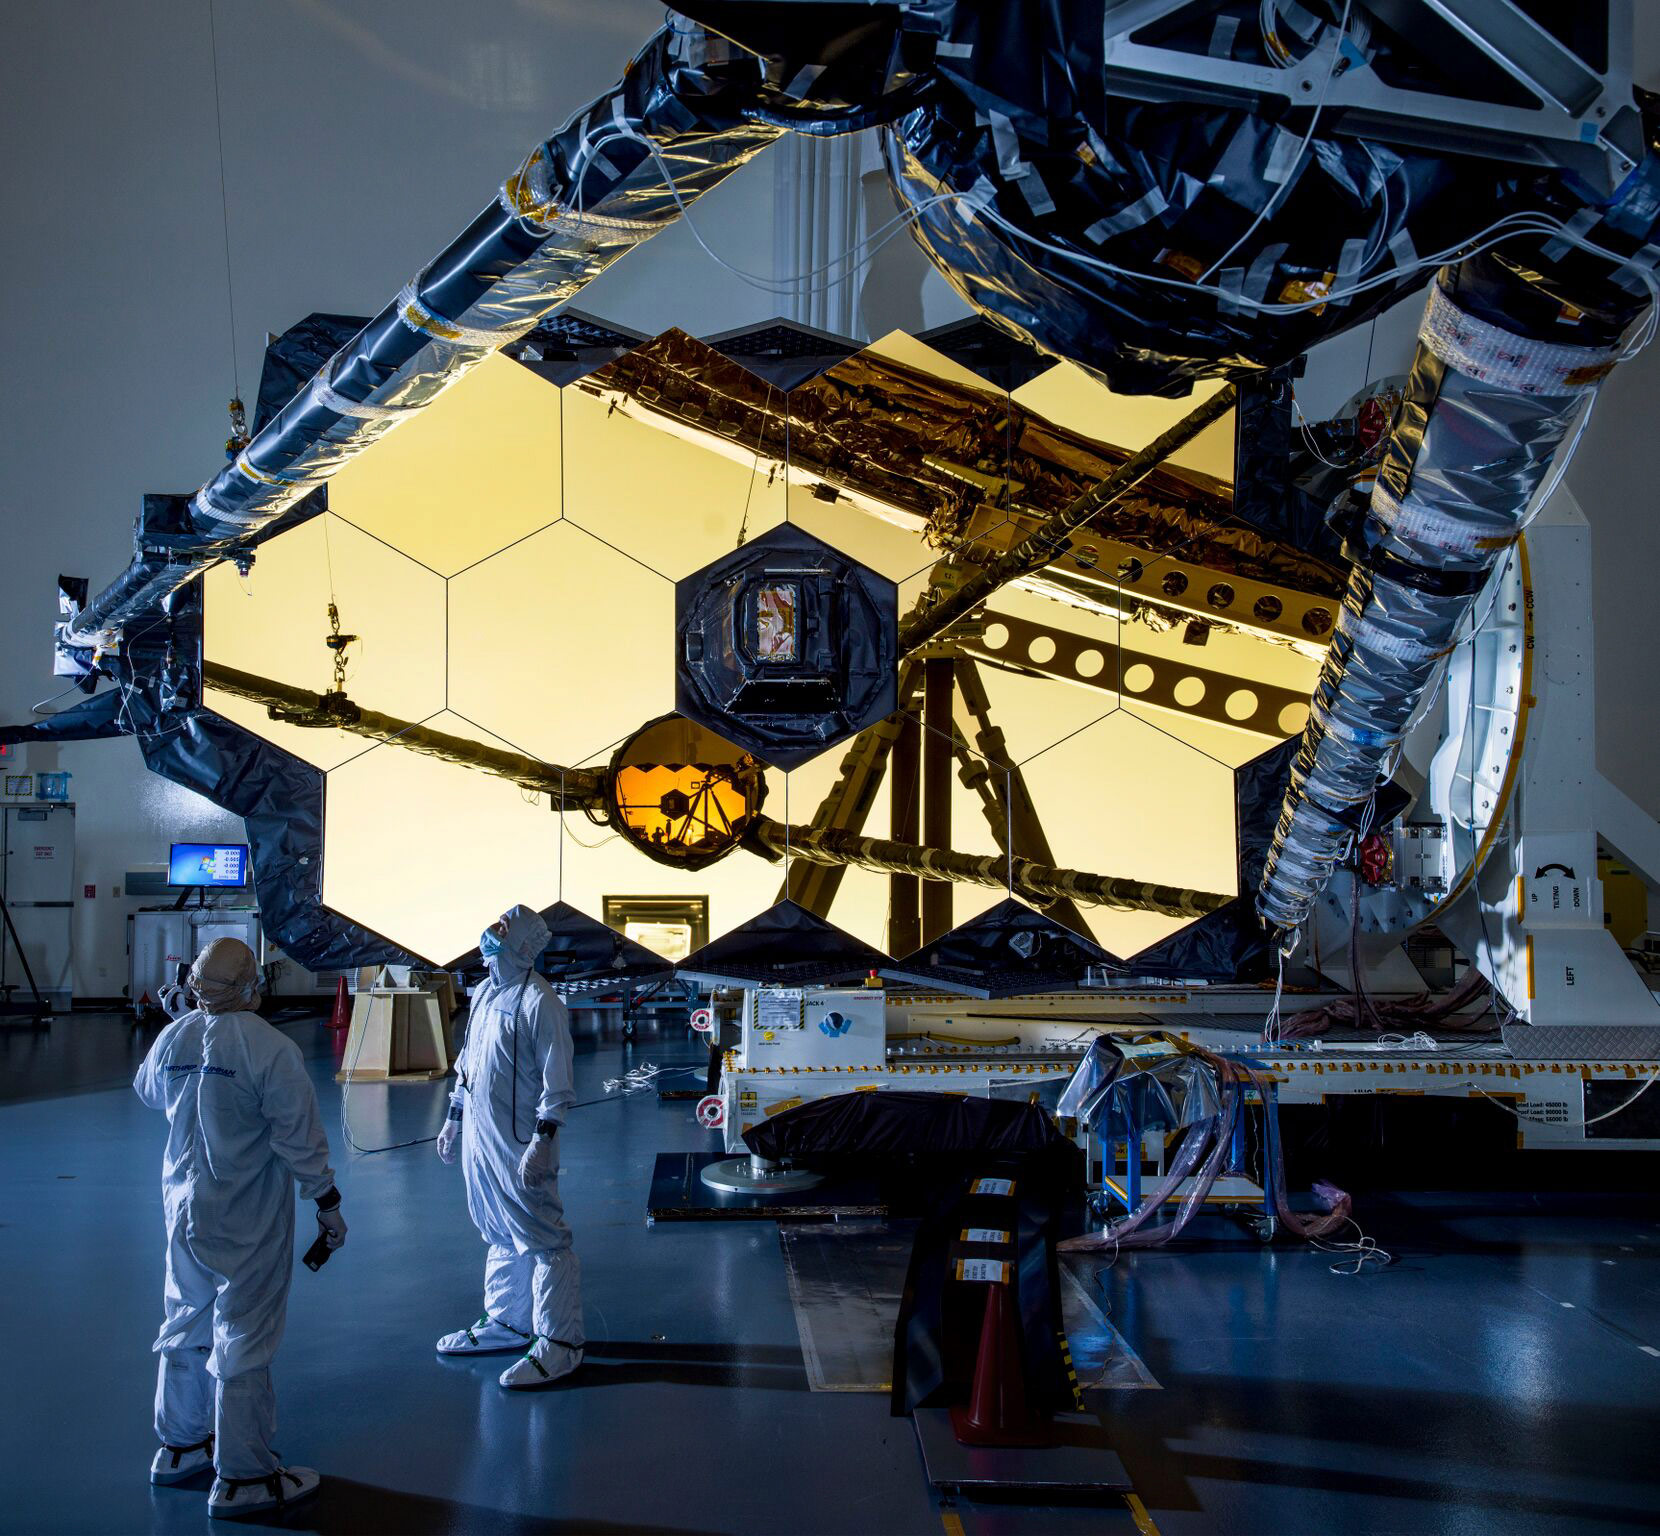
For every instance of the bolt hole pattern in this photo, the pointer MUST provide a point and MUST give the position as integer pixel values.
(995, 637)
(1138, 678)
(1240, 704)
(1090, 663)
(1190, 691)
(1174, 584)
(1268, 608)
(1041, 649)
(1220, 596)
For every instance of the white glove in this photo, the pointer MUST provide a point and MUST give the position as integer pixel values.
(334, 1227)
(536, 1167)
(448, 1140)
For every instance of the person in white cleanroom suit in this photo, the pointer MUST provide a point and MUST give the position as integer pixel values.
(515, 1075)
(242, 1131)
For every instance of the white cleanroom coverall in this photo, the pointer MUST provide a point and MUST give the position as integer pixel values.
(515, 1073)
(242, 1129)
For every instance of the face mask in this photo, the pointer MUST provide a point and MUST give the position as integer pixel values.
(489, 943)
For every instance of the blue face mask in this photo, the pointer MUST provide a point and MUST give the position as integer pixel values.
(489, 943)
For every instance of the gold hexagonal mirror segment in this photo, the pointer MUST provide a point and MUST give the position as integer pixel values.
(275, 625)
(467, 475)
(428, 851)
(561, 644)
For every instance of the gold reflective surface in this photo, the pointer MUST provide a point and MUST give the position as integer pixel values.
(464, 477)
(507, 560)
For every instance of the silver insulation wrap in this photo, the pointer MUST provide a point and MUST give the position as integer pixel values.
(579, 201)
(1486, 411)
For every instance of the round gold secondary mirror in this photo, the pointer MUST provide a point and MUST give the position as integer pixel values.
(683, 794)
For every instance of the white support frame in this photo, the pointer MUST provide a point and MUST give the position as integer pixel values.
(1534, 921)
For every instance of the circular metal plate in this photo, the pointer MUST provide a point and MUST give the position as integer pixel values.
(733, 1177)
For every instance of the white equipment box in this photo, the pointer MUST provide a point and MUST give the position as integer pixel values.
(814, 1027)
(160, 939)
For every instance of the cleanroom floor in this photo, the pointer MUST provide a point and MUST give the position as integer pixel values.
(1500, 1376)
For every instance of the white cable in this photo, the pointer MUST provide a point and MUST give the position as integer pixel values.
(41, 709)
(1361, 1252)
(1302, 148)
(641, 1077)
(791, 285)
(1496, 233)
(1271, 1025)
(345, 1116)
(1508, 227)
(1417, 1041)
(1520, 1114)
(1608, 1114)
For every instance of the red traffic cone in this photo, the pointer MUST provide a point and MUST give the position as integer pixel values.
(341, 1018)
(997, 1413)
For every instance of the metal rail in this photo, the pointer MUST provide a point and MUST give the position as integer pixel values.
(585, 789)
(1039, 884)
(1141, 677)
(572, 789)
(937, 610)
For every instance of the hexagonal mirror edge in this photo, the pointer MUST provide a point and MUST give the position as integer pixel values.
(786, 945)
(1230, 944)
(1009, 950)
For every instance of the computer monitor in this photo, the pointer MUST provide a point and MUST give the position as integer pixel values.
(208, 864)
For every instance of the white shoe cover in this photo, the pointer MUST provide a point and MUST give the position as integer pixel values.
(285, 1486)
(485, 1337)
(546, 1363)
(171, 1466)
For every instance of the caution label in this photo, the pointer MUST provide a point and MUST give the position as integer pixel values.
(987, 1271)
(991, 1187)
(984, 1235)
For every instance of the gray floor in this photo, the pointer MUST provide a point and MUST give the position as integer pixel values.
(1500, 1377)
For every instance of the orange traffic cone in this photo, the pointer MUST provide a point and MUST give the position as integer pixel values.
(341, 1018)
(340, 1022)
(997, 1412)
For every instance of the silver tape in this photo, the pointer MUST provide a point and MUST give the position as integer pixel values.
(343, 405)
(421, 317)
(1131, 216)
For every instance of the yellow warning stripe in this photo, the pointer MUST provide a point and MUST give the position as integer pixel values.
(1071, 1371)
(1138, 1512)
(952, 1522)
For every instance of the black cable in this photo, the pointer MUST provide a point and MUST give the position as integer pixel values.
(224, 200)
